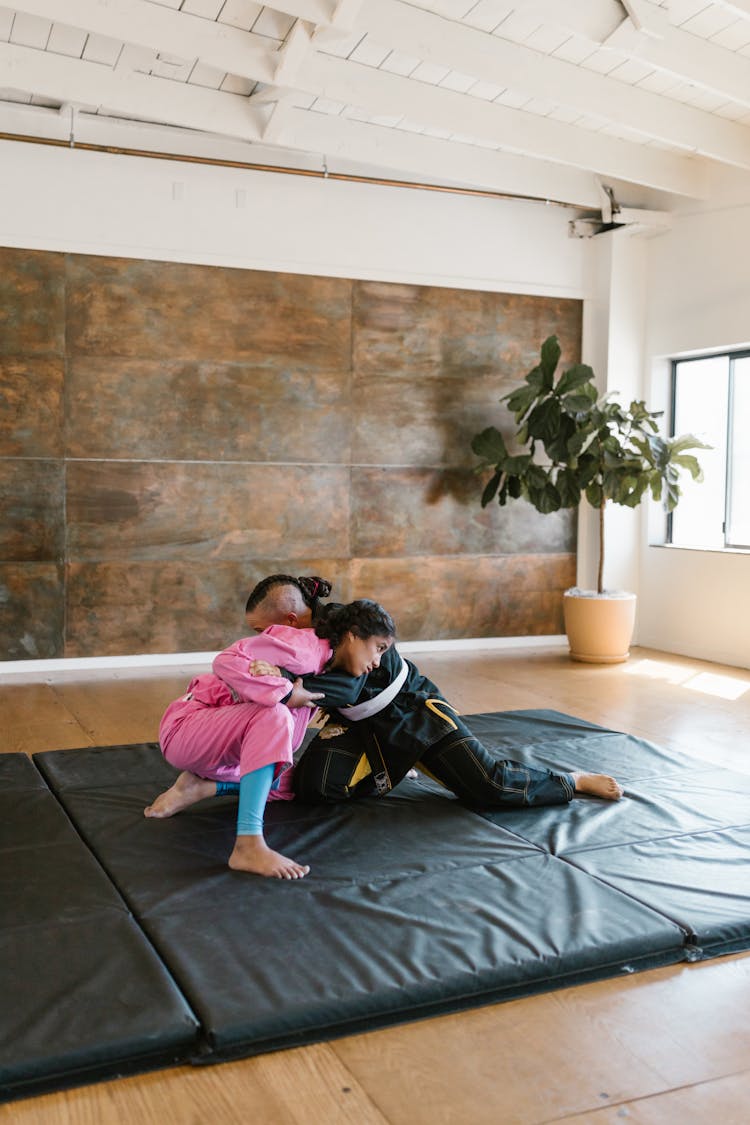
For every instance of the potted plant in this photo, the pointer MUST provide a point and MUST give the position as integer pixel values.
(570, 443)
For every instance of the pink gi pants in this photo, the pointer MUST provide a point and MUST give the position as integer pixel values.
(231, 723)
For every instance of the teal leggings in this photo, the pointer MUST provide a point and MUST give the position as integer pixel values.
(254, 788)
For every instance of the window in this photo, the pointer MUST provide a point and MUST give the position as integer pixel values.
(711, 399)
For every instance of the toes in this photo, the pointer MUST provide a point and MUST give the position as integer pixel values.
(296, 872)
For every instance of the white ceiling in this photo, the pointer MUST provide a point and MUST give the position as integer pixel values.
(550, 99)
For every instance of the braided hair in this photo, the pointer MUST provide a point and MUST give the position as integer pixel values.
(310, 588)
(364, 618)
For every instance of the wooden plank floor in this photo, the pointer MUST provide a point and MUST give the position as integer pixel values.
(671, 1045)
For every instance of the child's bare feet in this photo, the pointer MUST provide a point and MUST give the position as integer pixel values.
(185, 792)
(252, 853)
(598, 785)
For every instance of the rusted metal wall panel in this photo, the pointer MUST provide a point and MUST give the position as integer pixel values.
(171, 433)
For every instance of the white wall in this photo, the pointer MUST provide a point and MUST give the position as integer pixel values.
(613, 340)
(697, 602)
(95, 203)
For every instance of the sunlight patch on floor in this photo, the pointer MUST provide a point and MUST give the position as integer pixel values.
(708, 683)
(725, 687)
(659, 670)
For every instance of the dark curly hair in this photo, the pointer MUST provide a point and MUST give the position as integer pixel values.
(364, 618)
(311, 588)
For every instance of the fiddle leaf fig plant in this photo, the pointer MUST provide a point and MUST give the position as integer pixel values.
(570, 444)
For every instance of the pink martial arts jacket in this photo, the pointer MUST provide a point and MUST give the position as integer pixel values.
(250, 731)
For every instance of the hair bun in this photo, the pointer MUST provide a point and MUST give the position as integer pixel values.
(313, 586)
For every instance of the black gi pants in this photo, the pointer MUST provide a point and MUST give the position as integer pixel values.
(419, 728)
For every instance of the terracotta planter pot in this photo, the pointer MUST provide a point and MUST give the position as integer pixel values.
(599, 627)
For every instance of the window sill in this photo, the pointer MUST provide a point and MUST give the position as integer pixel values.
(702, 550)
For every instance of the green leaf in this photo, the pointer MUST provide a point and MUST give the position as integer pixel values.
(687, 441)
(578, 440)
(612, 451)
(588, 470)
(550, 360)
(490, 489)
(546, 499)
(569, 488)
(579, 403)
(544, 421)
(535, 378)
(659, 450)
(612, 485)
(577, 376)
(595, 495)
(558, 448)
(633, 490)
(643, 445)
(536, 476)
(517, 465)
(687, 461)
(490, 445)
(671, 495)
(520, 400)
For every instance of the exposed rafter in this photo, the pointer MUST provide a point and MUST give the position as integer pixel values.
(444, 160)
(423, 34)
(662, 45)
(291, 56)
(162, 29)
(126, 92)
(510, 129)
(347, 143)
(741, 7)
(593, 19)
(486, 93)
(529, 72)
(646, 18)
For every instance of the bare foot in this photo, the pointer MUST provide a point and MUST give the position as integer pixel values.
(185, 792)
(252, 853)
(598, 785)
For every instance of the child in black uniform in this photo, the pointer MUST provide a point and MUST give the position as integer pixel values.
(392, 719)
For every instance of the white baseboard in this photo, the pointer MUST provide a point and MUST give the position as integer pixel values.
(49, 669)
(476, 643)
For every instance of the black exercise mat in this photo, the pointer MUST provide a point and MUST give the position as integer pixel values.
(84, 995)
(700, 880)
(679, 840)
(666, 793)
(555, 740)
(414, 906)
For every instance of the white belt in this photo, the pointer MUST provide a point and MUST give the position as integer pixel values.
(378, 702)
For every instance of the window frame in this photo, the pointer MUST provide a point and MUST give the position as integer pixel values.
(731, 355)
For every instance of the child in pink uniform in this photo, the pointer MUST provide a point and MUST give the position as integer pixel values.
(229, 722)
(234, 727)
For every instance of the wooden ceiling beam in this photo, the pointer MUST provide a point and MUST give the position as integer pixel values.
(141, 96)
(162, 29)
(526, 71)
